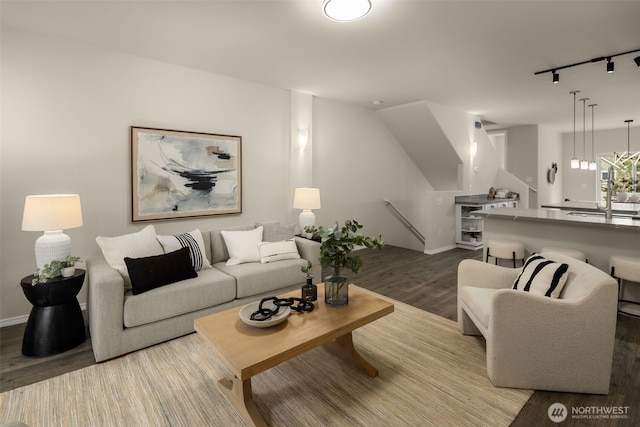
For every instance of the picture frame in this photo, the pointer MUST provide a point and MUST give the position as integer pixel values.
(181, 174)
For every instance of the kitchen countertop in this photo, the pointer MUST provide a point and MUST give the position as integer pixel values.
(581, 218)
(481, 199)
(627, 208)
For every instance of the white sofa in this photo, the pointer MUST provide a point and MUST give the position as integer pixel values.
(120, 322)
(537, 342)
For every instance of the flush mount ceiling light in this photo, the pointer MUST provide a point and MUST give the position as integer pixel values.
(556, 76)
(346, 10)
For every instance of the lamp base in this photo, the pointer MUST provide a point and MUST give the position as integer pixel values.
(306, 219)
(51, 246)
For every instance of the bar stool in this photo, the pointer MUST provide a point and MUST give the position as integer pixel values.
(573, 253)
(625, 268)
(505, 249)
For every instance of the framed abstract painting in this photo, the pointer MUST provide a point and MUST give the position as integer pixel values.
(176, 174)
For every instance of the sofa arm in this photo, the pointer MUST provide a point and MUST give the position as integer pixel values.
(310, 250)
(105, 308)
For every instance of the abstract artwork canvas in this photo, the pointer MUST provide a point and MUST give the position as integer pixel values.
(178, 174)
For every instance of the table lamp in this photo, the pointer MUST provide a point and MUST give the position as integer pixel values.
(52, 213)
(306, 199)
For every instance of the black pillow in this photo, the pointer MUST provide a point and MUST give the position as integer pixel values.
(154, 271)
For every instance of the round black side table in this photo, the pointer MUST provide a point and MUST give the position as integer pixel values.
(55, 323)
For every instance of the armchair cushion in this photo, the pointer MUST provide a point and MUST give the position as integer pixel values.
(542, 277)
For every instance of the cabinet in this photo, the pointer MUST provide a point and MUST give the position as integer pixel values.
(469, 226)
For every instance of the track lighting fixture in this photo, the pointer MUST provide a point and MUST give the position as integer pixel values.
(610, 66)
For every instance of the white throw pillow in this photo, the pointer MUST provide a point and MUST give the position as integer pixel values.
(242, 245)
(276, 251)
(134, 245)
(542, 277)
(192, 240)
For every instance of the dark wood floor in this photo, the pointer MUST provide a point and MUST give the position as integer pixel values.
(424, 281)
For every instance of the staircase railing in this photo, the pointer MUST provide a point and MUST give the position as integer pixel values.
(405, 221)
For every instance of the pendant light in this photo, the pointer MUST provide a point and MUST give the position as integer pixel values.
(593, 164)
(575, 163)
(584, 164)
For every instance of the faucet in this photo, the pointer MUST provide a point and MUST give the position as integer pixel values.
(608, 209)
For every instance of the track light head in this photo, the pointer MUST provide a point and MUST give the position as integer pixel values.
(637, 60)
(609, 66)
(556, 77)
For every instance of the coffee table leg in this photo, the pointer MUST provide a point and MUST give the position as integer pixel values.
(343, 348)
(239, 394)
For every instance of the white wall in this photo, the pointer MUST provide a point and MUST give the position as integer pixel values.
(357, 164)
(66, 112)
(550, 150)
(522, 157)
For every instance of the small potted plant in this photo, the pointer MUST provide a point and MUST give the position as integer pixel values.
(68, 265)
(336, 246)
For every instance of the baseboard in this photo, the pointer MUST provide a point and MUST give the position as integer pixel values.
(438, 250)
(23, 319)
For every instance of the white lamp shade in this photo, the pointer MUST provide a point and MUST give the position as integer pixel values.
(306, 198)
(575, 163)
(51, 212)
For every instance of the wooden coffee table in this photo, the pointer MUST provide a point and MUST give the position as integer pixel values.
(247, 351)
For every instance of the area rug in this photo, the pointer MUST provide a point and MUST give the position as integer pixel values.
(430, 375)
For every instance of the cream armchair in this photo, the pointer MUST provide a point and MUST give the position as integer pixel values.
(536, 342)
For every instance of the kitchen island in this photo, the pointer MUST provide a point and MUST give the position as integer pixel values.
(588, 231)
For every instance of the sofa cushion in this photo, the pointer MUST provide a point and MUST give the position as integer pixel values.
(219, 250)
(276, 232)
(278, 251)
(542, 276)
(192, 240)
(254, 278)
(478, 302)
(158, 270)
(134, 245)
(242, 245)
(210, 288)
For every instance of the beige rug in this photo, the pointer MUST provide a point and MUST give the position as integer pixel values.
(429, 375)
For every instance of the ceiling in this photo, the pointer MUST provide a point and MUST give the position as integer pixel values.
(477, 56)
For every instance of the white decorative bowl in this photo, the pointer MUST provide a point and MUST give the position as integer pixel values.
(247, 310)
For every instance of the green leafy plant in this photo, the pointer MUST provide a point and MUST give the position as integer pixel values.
(69, 261)
(337, 243)
(53, 269)
(306, 269)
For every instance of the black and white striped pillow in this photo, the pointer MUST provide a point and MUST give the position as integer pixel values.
(192, 240)
(542, 277)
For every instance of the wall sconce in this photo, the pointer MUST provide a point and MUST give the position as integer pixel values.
(473, 149)
(303, 138)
